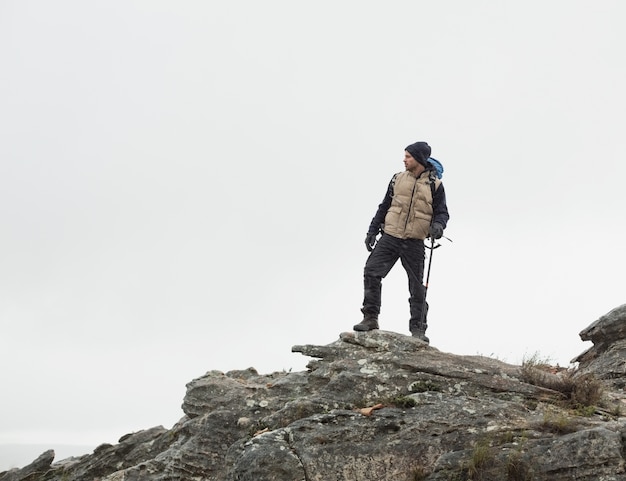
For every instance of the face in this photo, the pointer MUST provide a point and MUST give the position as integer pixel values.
(412, 165)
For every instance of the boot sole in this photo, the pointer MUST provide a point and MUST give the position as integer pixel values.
(363, 328)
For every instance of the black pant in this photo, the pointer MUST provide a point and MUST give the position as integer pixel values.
(384, 256)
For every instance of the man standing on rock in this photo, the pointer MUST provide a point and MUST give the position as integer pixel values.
(413, 209)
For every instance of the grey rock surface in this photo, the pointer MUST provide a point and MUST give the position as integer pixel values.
(380, 406)
(607, 357)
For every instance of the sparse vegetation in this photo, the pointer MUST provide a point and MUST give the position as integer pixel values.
(557, 422)
(517, 469)
(586, 390)
(480, 462)
(258, 428)
(490, 460)
(402, 402)
(616, 411)
(425, 386)
(585, 411)
(505, 437)
(581, 391)
(538, 372)
(419, 473)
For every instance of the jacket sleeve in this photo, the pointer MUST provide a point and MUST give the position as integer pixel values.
(440, 207)
(379, 217)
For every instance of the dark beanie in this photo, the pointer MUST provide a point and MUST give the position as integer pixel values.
(420, 151)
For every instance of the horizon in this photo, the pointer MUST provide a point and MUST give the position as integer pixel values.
(18, 455)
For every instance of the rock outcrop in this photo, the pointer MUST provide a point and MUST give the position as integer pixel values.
(383, 406)
(607, 357)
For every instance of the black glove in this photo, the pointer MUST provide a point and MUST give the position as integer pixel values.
(435, 231)
(370, 241)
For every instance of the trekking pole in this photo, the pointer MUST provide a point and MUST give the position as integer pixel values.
(430, 259)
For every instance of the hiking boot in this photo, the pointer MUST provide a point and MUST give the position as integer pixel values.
(368, 323)
(421, 335)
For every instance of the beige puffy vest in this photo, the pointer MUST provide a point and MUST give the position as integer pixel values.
(411, 207)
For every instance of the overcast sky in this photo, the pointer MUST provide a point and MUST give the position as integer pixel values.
(186, 186)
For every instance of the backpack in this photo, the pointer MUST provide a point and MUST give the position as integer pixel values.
(437, 166)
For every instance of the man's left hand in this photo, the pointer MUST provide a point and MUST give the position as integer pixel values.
(435, 231)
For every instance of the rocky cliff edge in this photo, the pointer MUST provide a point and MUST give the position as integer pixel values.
(384, 406)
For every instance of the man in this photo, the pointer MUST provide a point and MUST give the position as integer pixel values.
(413, 209)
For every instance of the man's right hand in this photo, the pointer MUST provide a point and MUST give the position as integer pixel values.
(370, 241)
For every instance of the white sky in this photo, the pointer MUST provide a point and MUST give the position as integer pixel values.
(186, 186)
